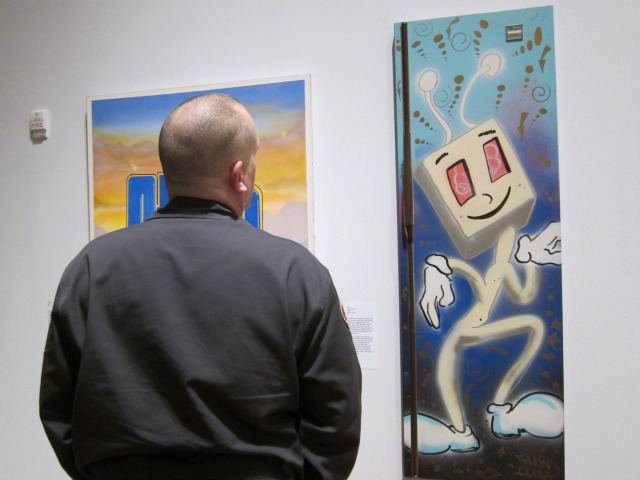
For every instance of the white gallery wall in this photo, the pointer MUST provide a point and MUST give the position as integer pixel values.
(53, 54)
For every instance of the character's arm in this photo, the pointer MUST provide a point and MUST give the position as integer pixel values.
(475, 279)
(330, 394)
(61, 363)
(542, 249)
(522, 292)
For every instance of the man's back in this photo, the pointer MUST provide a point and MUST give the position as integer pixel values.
(199, 340)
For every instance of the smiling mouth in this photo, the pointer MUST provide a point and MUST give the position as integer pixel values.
(492, 212)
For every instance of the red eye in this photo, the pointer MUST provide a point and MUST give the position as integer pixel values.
(460, 181)
(496, 162)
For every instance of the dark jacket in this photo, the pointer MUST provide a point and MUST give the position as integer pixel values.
(195, 341)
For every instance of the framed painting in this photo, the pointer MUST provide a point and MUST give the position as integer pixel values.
(480, 246)
(126, 183)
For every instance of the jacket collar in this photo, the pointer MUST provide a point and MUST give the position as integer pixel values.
(193, 206)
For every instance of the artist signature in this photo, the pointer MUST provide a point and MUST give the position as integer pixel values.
(536, 467)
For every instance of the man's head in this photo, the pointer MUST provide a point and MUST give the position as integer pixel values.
(207, 147)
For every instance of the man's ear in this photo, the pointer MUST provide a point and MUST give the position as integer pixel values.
(236, 178)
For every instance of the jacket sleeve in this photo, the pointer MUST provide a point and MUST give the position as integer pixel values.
(61, 363)
(330, 395)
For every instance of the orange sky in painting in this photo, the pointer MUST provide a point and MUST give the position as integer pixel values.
(281, 167)
(115, 158)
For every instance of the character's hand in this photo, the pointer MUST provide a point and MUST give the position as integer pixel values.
(543, 249)
(437, 288)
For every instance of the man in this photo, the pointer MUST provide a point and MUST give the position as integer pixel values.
(194, 346)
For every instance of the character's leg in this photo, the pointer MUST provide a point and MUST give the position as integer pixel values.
(508, 327)
(447, 376)
(535, 329)
(538, 415)
(435, 436)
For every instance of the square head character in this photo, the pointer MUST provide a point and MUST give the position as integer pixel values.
(478, 187)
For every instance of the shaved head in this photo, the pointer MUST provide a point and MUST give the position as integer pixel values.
(202, 137)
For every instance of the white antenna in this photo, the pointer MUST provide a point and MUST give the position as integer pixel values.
(427, 83)
(489, 67)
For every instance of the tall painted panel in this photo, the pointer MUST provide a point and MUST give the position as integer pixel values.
(480, 251)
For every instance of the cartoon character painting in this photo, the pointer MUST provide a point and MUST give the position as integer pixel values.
(488, 238)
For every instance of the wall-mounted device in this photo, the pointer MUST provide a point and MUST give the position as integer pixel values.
(39, 126)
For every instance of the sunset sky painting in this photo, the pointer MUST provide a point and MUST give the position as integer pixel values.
(123, 141)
